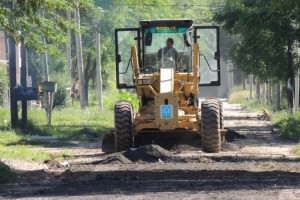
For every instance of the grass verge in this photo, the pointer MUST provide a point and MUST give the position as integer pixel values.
(289, 125)
(298, 149)
(68, 124)
(13, 146)
(242, 97)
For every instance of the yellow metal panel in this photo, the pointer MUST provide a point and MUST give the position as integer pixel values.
(196, 67)
(135, 61)
(188, 125)
(140, 126)
(167, 123)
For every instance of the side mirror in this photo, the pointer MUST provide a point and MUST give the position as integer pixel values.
(118, 58)
(217, 55)
(187, 39)
(148, 39)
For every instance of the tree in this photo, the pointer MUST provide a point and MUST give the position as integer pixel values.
(266, 34)
(79, 58)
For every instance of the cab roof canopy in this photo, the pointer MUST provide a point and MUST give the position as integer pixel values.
(166, 22)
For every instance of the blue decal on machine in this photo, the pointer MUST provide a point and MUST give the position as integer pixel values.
(166, 111)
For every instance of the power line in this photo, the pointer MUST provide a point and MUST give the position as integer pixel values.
(170, 5)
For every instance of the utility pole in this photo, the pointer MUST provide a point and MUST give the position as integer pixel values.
(12, 76)
(68, 48)
(24, 84)
(47, 100)
(79, 57)
(13, 82)
(47, 103)
(98, 66)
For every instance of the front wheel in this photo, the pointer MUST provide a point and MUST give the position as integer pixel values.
(123, 126)
(210, 126)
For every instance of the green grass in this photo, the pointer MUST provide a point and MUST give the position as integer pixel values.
(67, 122)
(111, 97)
(289, 125)
(298, 149)
(12, 146)
(242, 97)
(67, 126)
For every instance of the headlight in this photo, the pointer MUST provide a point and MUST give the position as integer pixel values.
(146, 81)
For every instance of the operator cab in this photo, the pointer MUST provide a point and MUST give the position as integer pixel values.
(165, 44)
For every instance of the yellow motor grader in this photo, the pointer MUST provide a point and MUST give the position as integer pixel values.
(166, 62)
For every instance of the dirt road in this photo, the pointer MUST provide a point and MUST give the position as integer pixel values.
(255, 164)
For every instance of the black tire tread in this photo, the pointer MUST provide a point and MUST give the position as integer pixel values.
(221, 119)
(123, 126)
(210, 126)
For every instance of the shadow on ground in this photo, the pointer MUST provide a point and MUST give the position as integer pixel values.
(137, 182)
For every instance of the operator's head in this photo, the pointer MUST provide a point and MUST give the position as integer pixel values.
(169, 42)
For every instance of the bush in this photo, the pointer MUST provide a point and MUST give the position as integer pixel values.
(4, 118)
(3, 81)
(290, 127)
(61, 96)
(113, 96)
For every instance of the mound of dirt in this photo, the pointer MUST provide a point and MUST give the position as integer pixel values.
(147, 153)
(232, 135)
(116, 158)
(184, 147)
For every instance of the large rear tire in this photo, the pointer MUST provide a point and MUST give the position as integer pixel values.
(123, 126)
(221, 120)
(210, 126)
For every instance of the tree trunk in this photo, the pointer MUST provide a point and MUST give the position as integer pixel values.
(278, 106)
(87, 75)
(244, 80)
(87, 81)
(79, 57)
(269, 95)
(291, 76)
(251, 85)
(297, 90)
(257, 90)
(263, 92)
(98, 68)
(68, 49)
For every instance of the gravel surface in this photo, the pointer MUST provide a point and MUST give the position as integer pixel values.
(255, 163)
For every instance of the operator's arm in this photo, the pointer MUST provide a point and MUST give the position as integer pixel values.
(177, 58)
(159, 54)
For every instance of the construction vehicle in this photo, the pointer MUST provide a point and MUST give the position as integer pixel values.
(167, 86)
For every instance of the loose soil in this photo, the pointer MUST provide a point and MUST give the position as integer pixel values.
(255, 163)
